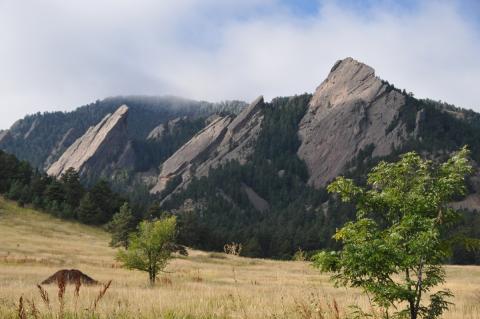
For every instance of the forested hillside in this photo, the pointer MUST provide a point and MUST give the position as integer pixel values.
(254, 175)
(300, 216)
(41, 138)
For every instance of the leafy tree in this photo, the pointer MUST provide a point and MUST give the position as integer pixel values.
(151, 247)
(120, 226)
(395, 248)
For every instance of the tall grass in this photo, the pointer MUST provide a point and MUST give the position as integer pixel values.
(200, 286)
(27, 308)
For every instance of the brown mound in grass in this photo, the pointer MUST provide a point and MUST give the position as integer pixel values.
(72, 276)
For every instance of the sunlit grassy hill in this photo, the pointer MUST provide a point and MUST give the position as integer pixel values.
(34, 245)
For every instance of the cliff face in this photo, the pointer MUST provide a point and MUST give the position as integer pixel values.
(223, 139)
(42, 138)
(350, 110)
(159, 131)
(67, 139)
(180, 163)
(3, 134)
(102, 148)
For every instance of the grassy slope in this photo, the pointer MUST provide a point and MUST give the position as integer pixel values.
(34, 245)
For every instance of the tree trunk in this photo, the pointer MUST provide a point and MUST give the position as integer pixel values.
(413, 315)
(152, 276)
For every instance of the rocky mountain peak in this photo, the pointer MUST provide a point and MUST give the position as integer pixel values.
(98, 147)
(351, 110)
(348, 81)
(246, 114)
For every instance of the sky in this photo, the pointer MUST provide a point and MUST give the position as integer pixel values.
(58, 55)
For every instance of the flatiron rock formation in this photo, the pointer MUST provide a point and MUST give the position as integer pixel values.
(67, 139)
(103, 147)
(3, 134)
(351, 110)
(157, 132)
(223, 139)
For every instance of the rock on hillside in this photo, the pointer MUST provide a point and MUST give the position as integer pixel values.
(350, 111)
(67, 139)
(40, 138)
(223, 139)
(102, 148)
(159, 131)
(3, 134)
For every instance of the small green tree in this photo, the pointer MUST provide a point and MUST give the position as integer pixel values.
(151, 247)
(122, 223)
(395, 248)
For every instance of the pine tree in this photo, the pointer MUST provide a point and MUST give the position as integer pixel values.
(120, 226)
(72, 187)
(88, 212)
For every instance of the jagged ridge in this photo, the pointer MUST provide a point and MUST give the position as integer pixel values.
(351, 110)
(102, 143)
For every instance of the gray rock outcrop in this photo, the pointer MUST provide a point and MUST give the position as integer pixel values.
(3, 134)
(159, 131)
(223, 139)
(256, 200)
(99, 150)
(67, 139)
(351, 110)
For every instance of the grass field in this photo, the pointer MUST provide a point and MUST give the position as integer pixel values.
(203, 285)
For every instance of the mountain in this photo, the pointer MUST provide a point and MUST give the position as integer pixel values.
(256, 173)
(42, 138)
(225, 138)
(101, 148)
(351, 110)
(54, 141)
(272, 197)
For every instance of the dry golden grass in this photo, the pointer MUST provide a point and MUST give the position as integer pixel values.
(203, 285)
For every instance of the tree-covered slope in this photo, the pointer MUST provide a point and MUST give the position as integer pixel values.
(258, 176)
(41, 138)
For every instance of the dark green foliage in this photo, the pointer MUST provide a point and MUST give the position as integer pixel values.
(224, 213)
(448, 128)
(465, 250)
(106, 200)
(34, 137)
(407, 115)
(72, 188)
(121, 225)
(12, 170)
(65, 198)
(394, 248)
(297, 218)
(88, 211)
(151, 153)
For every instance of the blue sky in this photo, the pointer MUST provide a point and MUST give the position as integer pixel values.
(56, 54)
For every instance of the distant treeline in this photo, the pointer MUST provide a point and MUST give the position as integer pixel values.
(65, 198)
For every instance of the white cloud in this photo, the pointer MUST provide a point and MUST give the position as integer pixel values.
(57, 54)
